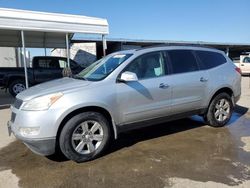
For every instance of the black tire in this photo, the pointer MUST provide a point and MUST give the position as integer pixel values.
(65, 139)
(13, 87)
(210, 116)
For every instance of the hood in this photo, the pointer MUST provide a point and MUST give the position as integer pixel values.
(59, 85)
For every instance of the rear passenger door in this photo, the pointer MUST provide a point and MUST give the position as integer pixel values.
(188, 82)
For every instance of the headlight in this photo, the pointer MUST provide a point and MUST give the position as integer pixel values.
(41, 103)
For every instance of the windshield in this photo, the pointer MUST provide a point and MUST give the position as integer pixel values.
(103, 67)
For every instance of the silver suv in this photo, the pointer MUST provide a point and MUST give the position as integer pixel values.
(125, 90)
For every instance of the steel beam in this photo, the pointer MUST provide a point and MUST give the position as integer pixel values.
(104, 45)
(24, 60)
(67, 50)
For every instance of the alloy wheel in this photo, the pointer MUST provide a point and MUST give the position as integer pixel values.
(87, 137)
(222, 110)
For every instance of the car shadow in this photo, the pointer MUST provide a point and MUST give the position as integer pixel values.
(130, 138)
(238, 112)
(240, 109)
(137, 86)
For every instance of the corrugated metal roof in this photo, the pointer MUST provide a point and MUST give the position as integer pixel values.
(124, 40)
(51, 22)
(43, 27)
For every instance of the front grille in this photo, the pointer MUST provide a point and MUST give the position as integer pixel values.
(13, 117)
(18, 103)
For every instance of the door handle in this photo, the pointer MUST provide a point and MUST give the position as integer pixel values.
(163, 86)
(202, 79)
(242, 65)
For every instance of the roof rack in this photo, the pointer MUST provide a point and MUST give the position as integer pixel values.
(176, 45)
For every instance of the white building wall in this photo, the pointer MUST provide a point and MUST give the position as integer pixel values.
(8, 57)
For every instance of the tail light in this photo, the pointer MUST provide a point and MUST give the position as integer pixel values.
(238, 70)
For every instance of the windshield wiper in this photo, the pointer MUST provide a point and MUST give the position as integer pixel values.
(79, 77)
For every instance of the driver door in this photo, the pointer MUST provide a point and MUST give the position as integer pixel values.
(150, 96)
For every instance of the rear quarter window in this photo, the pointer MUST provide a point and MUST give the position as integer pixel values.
(46, 63)
(210, 59)
(246, 60)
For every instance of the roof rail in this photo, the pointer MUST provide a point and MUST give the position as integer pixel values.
(176, 45)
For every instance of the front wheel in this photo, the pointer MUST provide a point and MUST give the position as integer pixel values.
(85, 136)
(220, 110)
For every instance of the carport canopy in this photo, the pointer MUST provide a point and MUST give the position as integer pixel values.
(22, 28)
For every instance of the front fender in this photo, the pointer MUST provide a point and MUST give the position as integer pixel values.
(72, 109)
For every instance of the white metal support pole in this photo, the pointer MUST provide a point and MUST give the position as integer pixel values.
(45, 48)
(24, 60)
(19, 57)
(67, 50)
(227, 53)
(104, 45)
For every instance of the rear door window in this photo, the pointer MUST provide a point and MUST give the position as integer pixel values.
(47, 63)
(182, 61)
(62, 63)
(246, 60)
(210, 59)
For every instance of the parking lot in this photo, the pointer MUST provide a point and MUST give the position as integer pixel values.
(183, 153)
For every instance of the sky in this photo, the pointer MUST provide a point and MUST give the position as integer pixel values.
(182, 20)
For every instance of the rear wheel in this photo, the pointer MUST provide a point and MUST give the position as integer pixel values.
(85, 136)
(16, 87)
(220, 110)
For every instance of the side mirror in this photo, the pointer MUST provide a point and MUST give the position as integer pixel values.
(128, 77)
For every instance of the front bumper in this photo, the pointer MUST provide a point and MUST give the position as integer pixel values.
(43, 147)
